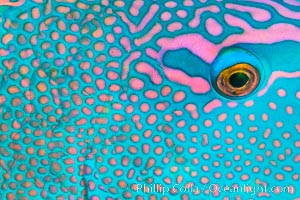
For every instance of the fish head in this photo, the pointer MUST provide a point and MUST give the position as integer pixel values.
(149, 99)
(214, 131)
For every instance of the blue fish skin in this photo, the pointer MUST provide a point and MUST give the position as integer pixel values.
(119, 99)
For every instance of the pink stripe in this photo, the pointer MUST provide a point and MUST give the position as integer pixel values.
(276, 75)
(197, 84)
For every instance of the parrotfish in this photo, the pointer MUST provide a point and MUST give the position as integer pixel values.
(149, 99)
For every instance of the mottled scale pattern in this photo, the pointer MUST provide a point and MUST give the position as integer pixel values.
(114, 99)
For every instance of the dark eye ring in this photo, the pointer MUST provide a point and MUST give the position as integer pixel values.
(236, 73)
(238, 80)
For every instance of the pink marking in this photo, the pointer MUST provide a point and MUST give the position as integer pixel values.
(71, 38)
(125, 43)
(147, 37)
(99, 46)
(61, 48)
(147, 69)
(193, 110)
(194, 128)
(90, 17)
(29, 109)
(252, 117)
(25, 83)
(188, 3)
(129, 109)
(181, 13)
(133, 28)
(3, 52)
(112, 75)
(276, 75)
(2, 99)
(70, 71)
(289, 110)
(7, 38)
(100, 83)
(297, 158)
(162, 106)
(281, 93)
(97, 70)
(36, 62)
(98, 32)
(136, 84)
(232, 104)
(135, 8)
(175, 26)
(110, 38)
(84, 65)
(197, 84)
(294, 3)
(63, 9)
(222, 117)
(165, 91)
(280, 9)
(194, 42)
(191, 107)
(133, 56)
(72, 150)
(151, 53)
(298, 95)
(9, 3)
(208, 51)
(249, 103)
(212, 105)
(115, 52)
(74, 27)
(196, 20)
(48, 7)
(292, 190)
(118, 29)
(55, 96)
(130, 173)
(267, 36)
(207, 123)
(205, 140)
(298, 128)
(179, 96)
(238, 120)
(257, 14)
(181, 124)
(171, 4)
(151, 94)
(272, 106)
(112, 65)
(151, 119)
(213, 27)
(43, 27)
(165, 16)
(265, 117)
(134, 98)
(263, 194)
(144, 107)
(92, 186)
(216, 190)
(86, 111)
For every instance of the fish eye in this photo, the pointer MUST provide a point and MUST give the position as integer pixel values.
(236, 73)
(238, 80)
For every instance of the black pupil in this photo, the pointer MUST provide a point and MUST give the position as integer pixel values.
(238, 79)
